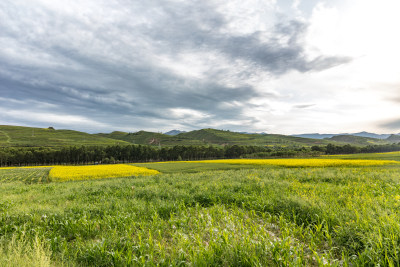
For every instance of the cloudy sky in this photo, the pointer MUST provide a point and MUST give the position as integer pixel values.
(275, 66)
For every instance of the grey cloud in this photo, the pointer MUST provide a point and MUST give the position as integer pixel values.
(392, 125)
(273, 55)
(323, 63)
(103, 64)
(394, 99)
(280, 58)
(149, 99)
(302, 106)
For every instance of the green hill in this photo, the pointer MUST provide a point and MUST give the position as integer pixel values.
(357, 140)
(29, 136)
(394, 138)
(150, 138)
(213, 136)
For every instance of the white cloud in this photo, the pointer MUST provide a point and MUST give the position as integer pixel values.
(365, 30)
(187, 114)
(33, 116)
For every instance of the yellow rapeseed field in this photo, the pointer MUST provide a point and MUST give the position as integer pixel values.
(71, 173)
(303, 162)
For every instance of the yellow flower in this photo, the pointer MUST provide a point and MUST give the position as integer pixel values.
(67, 173)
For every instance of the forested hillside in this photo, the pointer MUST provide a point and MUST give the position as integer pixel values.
(212, 137)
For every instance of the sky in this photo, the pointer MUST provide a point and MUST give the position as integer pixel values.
(273, 66)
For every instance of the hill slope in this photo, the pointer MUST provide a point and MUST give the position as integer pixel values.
(29, 136)
(394, 138)
(213, 136)
(357, 140)
(150, 138)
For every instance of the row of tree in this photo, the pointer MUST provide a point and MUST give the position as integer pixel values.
(332, 149)
(13, 156)
(26, 156)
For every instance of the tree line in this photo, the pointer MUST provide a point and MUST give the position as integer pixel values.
(28, 156)
(332, 149)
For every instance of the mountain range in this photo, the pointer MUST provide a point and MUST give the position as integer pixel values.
(362, 134)
(17, 136)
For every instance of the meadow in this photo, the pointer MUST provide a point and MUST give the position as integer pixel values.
(216, 213)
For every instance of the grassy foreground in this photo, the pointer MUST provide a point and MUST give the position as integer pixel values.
(248, 216)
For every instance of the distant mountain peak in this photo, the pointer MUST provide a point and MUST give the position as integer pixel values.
(174, 132)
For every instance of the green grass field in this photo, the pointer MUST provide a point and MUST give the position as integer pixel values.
(193, 167)
(197, 214)
(36, 175)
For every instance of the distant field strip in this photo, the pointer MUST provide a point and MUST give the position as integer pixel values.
(27, 175)
(25, 167)
(395, 155)
(302, 162)
(389, 153)
(74, 173)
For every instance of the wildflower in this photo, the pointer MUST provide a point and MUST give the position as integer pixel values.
(65, 173)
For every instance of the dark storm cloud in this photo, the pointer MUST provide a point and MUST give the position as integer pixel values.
(103, 61)
(279, 54)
